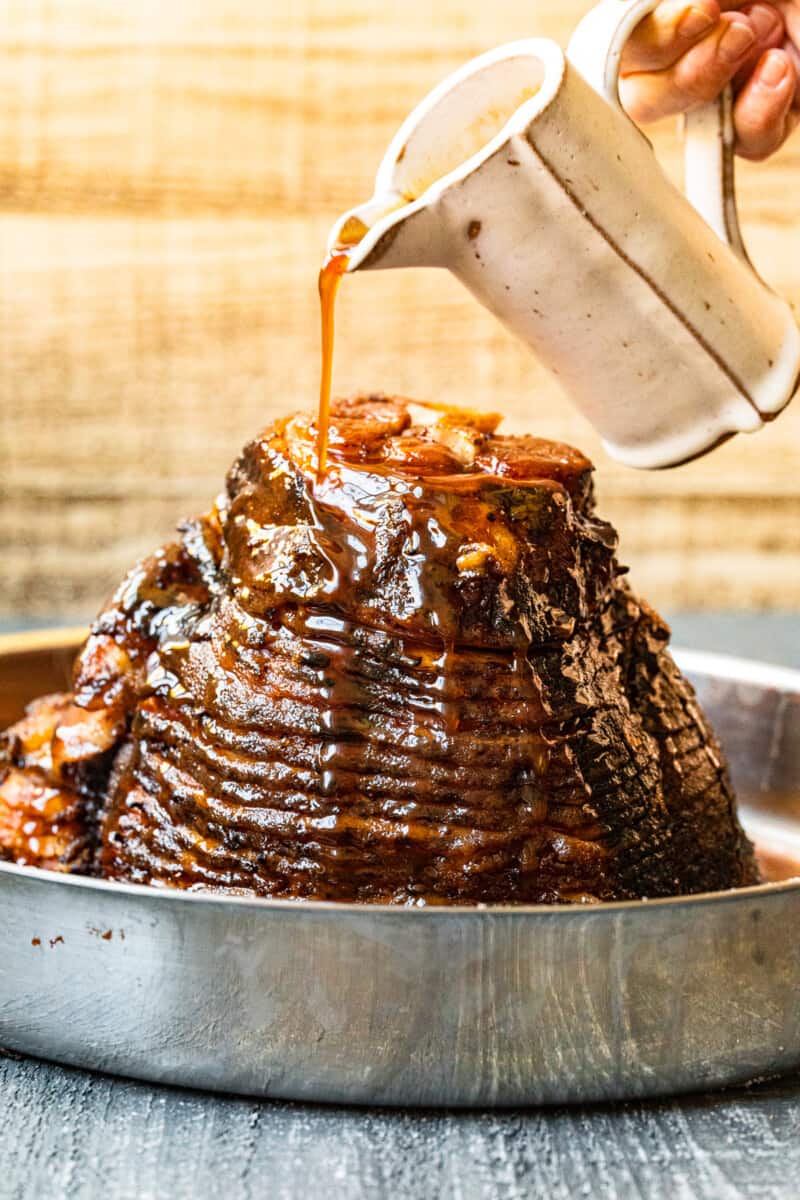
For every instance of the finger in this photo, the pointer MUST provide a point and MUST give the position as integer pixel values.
(770, 32)
(790, 12)
(794, 54)
(761, 112)
(697, 77)
(791, 17)
(670, 30)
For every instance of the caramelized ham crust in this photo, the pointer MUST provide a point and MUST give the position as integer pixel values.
(419, 679)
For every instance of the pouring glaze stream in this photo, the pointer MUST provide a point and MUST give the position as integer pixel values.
(522, 175)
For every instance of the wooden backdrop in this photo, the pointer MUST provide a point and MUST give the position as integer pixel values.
(168, 173)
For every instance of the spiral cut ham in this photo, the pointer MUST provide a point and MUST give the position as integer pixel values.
(420, 678)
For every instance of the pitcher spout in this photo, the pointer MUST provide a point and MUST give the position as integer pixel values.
(444, 142)
(390, 230)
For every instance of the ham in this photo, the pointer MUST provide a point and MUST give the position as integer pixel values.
(419, 678)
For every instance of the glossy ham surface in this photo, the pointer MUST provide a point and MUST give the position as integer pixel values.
(418, 679)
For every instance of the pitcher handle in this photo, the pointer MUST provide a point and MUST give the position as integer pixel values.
(595, 49)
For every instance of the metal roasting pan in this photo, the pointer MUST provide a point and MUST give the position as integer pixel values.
(458, 1006)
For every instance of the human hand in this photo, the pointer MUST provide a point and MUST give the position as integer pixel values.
(790, 11)
(687, 51)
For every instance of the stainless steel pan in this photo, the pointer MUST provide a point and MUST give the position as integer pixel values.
(458, 1006)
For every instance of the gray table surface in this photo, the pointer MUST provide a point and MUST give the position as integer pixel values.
(66, 1134)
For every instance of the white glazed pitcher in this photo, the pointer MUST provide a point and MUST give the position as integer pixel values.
(522, 175)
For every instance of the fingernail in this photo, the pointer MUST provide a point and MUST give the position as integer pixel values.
(764, 18)
(737, 39)
(694, 23)
(774, 70)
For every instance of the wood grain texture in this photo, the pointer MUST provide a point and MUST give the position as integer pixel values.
(168, 174)
(69, 1135)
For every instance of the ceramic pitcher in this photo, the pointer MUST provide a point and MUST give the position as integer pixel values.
(523, 176)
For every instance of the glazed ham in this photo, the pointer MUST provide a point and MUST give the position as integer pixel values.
(417, 679)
